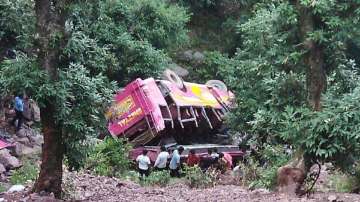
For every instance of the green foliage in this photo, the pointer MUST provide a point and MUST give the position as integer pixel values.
(340, 182)
(210, 68)
(158, 21)
(261, 173)
(17, 22)
(196, 178)
(109, 157)
(126, 39)
(159, 178)
(328, 135)
(28, 172)
(108, 41)
(20, 75)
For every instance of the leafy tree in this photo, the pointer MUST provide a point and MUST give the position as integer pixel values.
(78, 52)
(293, 52)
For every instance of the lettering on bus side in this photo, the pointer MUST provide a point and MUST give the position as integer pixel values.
(138, 112)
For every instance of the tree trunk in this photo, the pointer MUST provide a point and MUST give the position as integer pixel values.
(50, 177)
(314, 57)
(50, 25)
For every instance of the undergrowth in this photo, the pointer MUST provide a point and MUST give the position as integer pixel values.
(28, 172)
(196, 178)
(159, 178)
(109, 158)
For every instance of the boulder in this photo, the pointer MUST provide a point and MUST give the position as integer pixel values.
(7, 160)
(22, 150)
(22, 132)
(198, 57)
(178, 69)
(36, 140)
(23, 140)
(186, 56)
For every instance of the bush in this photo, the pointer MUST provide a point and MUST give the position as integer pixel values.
(196, 178)
(28, 172)
(342, 182)
(109, 158)
(159, 178)
(256, 175)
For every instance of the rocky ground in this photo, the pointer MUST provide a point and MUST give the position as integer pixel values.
(86, 187)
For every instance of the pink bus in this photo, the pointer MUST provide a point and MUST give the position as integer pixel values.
(154, 112)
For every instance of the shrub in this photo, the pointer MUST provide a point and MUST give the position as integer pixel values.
(28, 172)
(159, 178)
(340, 182)
(109, 157)
(196, 178)
(264, 176)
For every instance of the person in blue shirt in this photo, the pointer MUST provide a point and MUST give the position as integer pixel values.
(19, 109)
(175, 163)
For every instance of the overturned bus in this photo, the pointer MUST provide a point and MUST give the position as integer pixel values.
(150, 113)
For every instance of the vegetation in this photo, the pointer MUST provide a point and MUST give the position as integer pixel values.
(196, 178)
(158, 178)
(28, 172)
(109, 158)
(294, 66)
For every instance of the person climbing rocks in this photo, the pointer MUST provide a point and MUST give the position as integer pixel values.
(19, 109)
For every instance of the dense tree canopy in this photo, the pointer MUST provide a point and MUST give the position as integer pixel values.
(293, 64)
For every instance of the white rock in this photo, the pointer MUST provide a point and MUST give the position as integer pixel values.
(16, 188)
(2, 199)
(332, 198)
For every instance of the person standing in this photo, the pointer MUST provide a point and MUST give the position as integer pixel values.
(161, 160)
(19, 109)
(192, 159)
(175, 162)
(144, 164)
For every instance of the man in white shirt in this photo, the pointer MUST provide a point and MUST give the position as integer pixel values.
(161, 160)
(144, 163)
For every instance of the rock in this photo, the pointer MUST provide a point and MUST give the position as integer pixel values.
(179, 70)
(23, 150)
(187, 55)
(198, 57)
(21, 133)
(2, 168)
(37, 140)
(23, 140)
(7, 160)
(16, 188)
(2, 199)
(88, 194)
(332, 198)
(41, 198)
